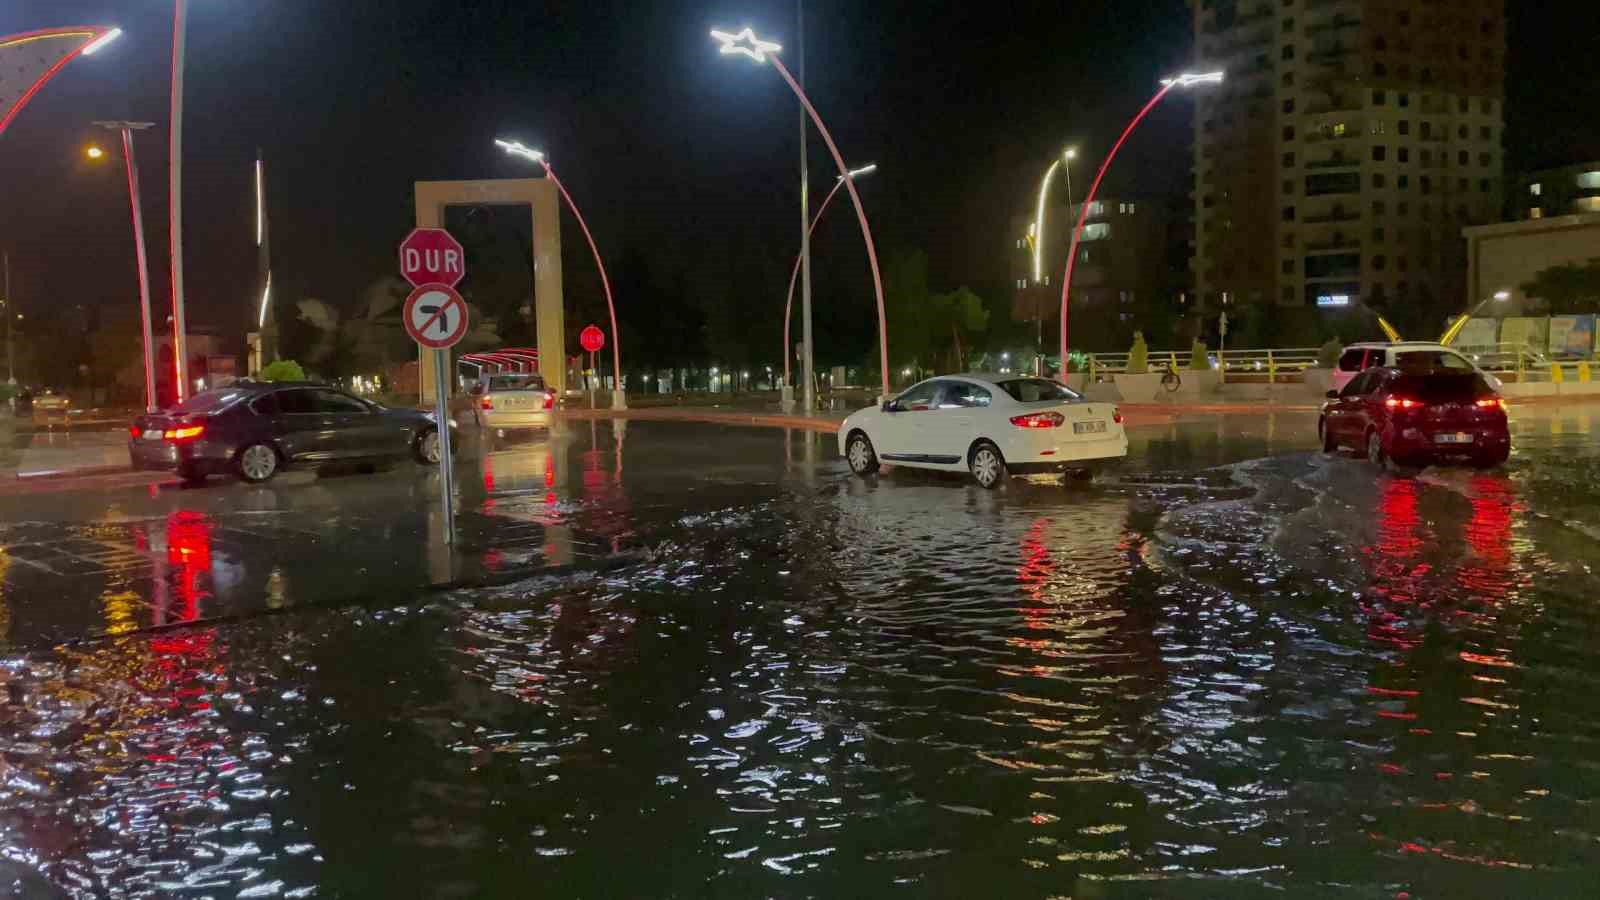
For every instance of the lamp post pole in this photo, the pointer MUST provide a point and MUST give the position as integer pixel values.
(180, 331)
(126, 130)
(799, 262)
(808, 358)
(11, 353)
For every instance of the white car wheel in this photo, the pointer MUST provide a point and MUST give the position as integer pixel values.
(428, 448)
(859, 453)
(987, 466)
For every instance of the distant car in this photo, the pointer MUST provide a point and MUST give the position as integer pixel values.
(1358, 358)
(518, 400)
(1417, 417)
(255, 430)
(987, 425)
(47, 405)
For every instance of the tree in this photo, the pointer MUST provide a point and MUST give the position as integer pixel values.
(1198, 358)
(1567, 288)
(283, 370)
(905, 300)
(1138, 355)
(959, 316)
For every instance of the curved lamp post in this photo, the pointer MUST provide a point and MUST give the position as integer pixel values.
(126, 130)
(1167, 84)
(619, 398)
(1067, 156)
(745, 43)
(788, 304)
(1454, 331)
(81, 40)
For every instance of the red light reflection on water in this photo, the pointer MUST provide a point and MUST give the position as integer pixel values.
(189, 555)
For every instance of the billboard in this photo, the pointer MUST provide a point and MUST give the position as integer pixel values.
(1572, 336)
(1478, 334)
(1526, 331)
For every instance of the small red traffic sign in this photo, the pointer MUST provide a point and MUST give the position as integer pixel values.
(432, 256)
(435, 316)
(592, 338)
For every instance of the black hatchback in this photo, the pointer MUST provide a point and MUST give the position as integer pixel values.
(253, 430)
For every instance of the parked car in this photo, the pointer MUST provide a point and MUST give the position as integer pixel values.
(48, 405)
(988, 425)
(517, 400)
(255, 430)
(1417, 417)
(1421, 355)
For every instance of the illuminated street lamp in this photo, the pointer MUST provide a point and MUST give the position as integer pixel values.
(1187, 79)
(745, 43)
(788, 304)
(127, 129)
(619, 398)
(94, 153)
(1454, 331)
(1064, 162)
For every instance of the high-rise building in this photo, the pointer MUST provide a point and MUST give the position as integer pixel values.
(1568, 190)
(1350, 143)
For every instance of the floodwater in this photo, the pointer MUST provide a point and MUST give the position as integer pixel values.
(1237, 669)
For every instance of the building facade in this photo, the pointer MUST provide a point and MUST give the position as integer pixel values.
(1127, 273)
(1350, 143)
(1508, 255)
(1567, 191)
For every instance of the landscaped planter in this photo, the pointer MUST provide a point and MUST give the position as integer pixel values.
(1138, 388)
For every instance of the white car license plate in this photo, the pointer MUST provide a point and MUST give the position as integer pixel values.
(1096, 427)
(1456, 437)
(152, 434)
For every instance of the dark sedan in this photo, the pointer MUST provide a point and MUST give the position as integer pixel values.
(1418, 417)
(254, 430)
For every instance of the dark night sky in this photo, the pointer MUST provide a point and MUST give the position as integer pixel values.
(666, 145)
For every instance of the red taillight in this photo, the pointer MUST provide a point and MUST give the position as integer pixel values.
(134, 432)
(549, 400)
(1491, 403)
(184, 434)
(1401, 403)
(1039, 420)
(1116, 416)
(486, 403)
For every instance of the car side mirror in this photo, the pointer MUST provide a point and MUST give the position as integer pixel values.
(1332, 395)
(889, 406)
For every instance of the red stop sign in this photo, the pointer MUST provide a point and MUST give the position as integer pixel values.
(592, 338)
(432, 256)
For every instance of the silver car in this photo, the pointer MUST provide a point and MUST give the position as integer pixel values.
(521, 400)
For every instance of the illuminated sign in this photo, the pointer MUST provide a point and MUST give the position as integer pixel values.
(1326, 300)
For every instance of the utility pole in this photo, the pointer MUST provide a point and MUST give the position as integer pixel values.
(175, 203)
(807, 356)
(10, 312)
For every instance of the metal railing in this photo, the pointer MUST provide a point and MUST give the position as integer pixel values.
(1272, 365)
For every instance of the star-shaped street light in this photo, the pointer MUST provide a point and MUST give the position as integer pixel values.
(517, 148)
(745, 43)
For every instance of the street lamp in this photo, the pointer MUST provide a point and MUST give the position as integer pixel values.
(1454, 331)
(745, 43)
(127, 129)
(94, 153)
(1187, 79)
(788, 304)
(619, 398)
(1036, 236)
(18, 93)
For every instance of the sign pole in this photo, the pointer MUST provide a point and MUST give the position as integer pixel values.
(594, 360)
(447, 475)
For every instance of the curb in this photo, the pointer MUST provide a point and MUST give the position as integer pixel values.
(50, 474)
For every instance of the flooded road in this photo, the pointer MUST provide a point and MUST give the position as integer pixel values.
(1237, 668)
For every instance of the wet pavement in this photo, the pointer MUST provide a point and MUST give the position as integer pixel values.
(719, 665)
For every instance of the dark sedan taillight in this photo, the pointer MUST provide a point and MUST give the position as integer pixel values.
(134, 432)
(486, 403)
(1492, 403)
(549, 399)
(185, 434)
(1394, 403)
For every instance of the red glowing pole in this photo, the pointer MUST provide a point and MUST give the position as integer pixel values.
(788, 305)
(616, 339)
(95, 36)
(861, 215)
(1077, 232)
(144, 272)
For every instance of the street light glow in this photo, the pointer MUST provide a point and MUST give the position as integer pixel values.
(101, 41)
(1071, 154)
(517, 148)
(1502, 296)
(745, 43)
(94, 152)
(259, 222)
(266, 294)
(853, 174)
(1188, 79)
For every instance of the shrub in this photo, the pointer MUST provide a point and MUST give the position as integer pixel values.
(283, 370)
(1198, 359)
(1328, 354)
(1138, 355)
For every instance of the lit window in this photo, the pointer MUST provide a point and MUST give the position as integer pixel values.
(1338, 129)
(1589, 180)
(1536, 213)
(1099, 231)
(1133, 208)
(1536, 189)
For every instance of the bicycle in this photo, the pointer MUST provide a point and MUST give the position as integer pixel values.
(1170, 379)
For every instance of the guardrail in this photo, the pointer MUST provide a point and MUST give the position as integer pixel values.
(1270, 365)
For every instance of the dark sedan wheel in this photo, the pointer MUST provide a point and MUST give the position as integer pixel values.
(863, 459)
(428, 447)
(257, 463)
(1329, 445)
(1375, 453)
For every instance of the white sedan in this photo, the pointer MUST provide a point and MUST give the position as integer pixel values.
(989, 425)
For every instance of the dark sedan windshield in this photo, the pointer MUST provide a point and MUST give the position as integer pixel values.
(209, 401)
